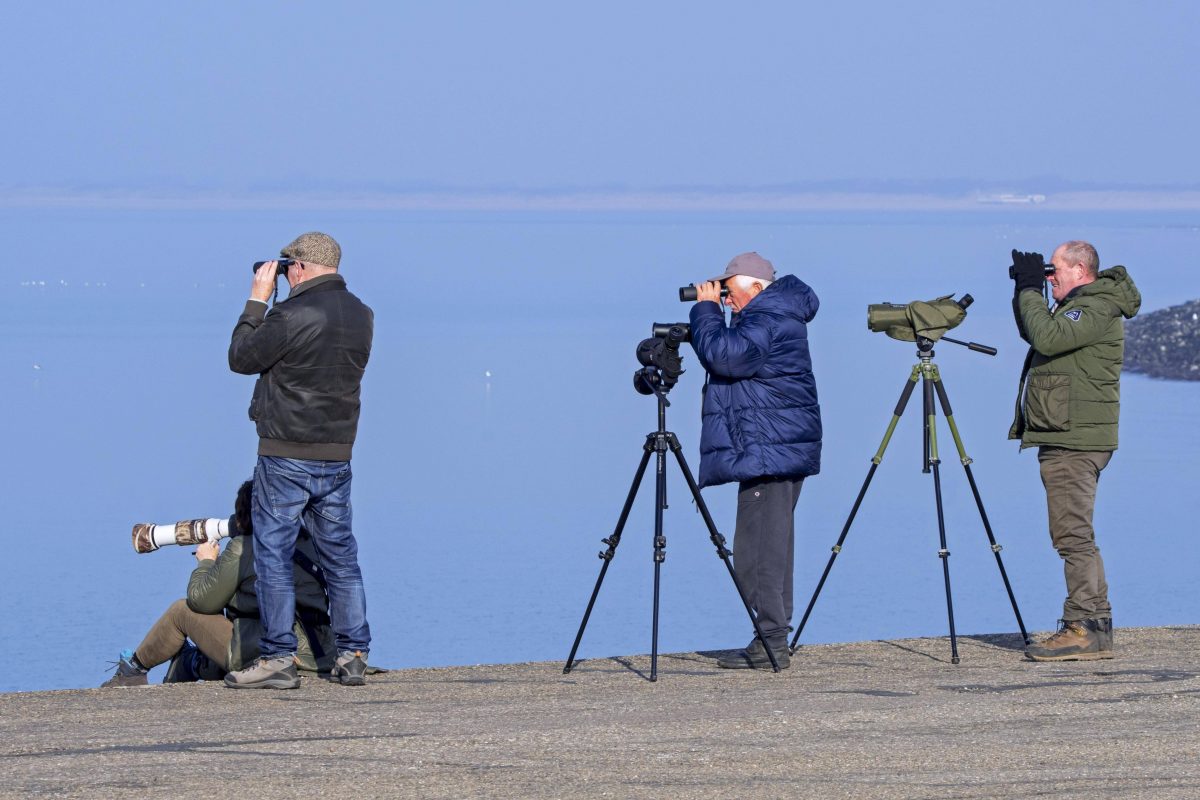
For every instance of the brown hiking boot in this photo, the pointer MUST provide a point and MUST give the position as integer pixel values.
(1076, 640)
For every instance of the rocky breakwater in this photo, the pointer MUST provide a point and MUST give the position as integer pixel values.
(1165, 343)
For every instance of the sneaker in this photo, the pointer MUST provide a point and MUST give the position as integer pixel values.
(755, 657)
(266, 673)
(1076, 640)
(128, 673)
(351, 668)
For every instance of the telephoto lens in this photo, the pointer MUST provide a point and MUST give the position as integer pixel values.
(687, 294)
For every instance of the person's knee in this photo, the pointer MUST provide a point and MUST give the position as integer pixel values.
(1076, 549)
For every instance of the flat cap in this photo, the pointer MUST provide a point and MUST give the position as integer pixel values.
(314, 247)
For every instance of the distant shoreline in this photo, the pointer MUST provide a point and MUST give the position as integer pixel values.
(600, 201)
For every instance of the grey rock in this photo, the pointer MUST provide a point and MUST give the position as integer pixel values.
(1165, 343)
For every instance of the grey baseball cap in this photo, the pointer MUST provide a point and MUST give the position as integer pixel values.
(751, 264)
(314, 247)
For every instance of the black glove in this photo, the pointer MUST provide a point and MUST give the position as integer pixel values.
(1028, 270)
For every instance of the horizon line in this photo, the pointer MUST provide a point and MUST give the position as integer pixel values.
(600, 200)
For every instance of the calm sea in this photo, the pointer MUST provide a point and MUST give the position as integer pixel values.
(500, 430)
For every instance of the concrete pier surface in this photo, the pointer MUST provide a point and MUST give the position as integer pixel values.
(884, 719)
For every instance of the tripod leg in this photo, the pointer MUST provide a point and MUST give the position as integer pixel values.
(934, 462)
(607, 555)
(719, 542)
(905, 394)
(660, 545)
(987, 526)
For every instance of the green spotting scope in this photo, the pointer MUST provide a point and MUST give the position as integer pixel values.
(927, 319)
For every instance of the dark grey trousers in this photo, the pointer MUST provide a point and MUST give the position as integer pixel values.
(763, 550)
(1070, 478)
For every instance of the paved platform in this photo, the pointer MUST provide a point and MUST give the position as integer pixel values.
(887, 719)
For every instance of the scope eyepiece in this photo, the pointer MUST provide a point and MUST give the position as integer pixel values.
(675, 333)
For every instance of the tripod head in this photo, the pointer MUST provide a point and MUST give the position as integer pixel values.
(925, 346)
(661, 362)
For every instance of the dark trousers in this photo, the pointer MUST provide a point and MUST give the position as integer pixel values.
(764, 549)
(1070, 478)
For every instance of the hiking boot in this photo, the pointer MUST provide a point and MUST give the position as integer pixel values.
(1076, 640)
(128, 673)
(266, 673)
(351, 668)
(755, 657)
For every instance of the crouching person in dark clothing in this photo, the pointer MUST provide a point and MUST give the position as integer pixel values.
(761, 428)
(216, 629)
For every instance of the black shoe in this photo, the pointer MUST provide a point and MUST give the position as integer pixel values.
(755, 657)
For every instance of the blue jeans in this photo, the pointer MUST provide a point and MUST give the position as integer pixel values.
(289, 492)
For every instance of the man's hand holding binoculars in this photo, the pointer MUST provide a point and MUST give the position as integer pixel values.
(710, 291)
(1028, 270)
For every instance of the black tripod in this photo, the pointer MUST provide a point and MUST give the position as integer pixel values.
(658, 443)
(931, 382)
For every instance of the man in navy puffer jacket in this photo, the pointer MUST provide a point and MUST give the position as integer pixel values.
(761, 428)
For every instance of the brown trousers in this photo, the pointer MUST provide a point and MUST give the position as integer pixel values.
(1070, 478)
(210, 632)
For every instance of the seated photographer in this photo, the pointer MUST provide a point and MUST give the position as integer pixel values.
(761, 427)
(220, 614)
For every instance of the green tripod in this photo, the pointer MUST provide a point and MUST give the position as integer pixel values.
(931, 384)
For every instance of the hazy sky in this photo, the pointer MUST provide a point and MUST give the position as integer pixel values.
(236, 96)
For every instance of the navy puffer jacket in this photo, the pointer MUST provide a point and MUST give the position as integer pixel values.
(761, 415)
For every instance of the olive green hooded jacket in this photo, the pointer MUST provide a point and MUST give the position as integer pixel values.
(227, 584)
(1070, 392)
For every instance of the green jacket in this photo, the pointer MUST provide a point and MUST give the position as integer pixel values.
(226, 584)
(1070, 392)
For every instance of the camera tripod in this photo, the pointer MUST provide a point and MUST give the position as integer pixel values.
(658, 443)
(931, 383)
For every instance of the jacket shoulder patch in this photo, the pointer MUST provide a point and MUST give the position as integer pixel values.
(1074, 314)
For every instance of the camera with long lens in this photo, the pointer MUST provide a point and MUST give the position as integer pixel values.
(148, 537)
(281, 267)
(687, 294)
(660, 359)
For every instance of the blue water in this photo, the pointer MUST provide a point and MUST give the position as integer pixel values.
(480, 501)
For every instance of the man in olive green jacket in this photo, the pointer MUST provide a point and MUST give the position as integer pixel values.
(1068, 407)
